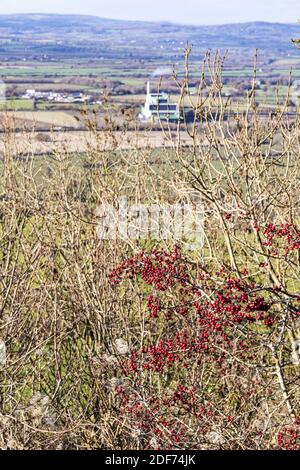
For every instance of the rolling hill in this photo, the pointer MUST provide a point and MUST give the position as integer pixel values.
(58, 36)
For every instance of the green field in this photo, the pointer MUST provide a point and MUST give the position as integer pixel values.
(52, 70)
(17, 105)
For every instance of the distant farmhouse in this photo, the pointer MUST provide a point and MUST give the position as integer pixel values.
(158, 107)
(75, 97)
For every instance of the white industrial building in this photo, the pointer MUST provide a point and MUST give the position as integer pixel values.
(158, 107)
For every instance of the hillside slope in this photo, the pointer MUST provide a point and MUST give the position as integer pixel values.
(90, 36)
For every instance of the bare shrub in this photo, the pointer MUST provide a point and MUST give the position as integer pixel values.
(87, 362)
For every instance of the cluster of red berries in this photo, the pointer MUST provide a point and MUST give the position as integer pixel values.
(234, 302)
(160, 269)
(176, 349)
(159, 416)
(200, 313)
(154, 305)
(151, 419)
(211, 310)
(213, 325)
(287, 234)
(289, 437)
(130, 405)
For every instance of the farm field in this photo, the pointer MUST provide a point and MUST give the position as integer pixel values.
(16, 105)
(35, 143)
(52, 118)
(115, 86)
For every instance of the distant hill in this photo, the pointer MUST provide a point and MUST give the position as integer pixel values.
(90, 35)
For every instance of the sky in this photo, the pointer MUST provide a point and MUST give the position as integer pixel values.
(179, 11)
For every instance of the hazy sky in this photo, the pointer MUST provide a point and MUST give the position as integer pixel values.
(181, 11)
